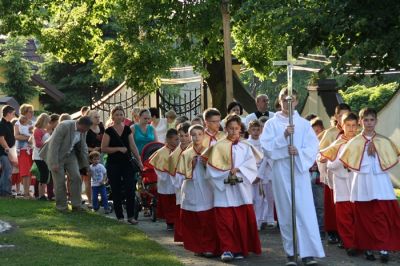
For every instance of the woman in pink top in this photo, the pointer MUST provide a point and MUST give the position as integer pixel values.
(40, 136)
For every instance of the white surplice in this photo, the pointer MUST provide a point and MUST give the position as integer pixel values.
(197, 192)
(164, 183)
(342, 179)
(226, 195)
(276, 147)
(370, 182)
(263, 198)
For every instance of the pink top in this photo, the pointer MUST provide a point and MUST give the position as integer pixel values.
(38, 134)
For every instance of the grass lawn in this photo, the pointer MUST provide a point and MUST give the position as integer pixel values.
(42, 236)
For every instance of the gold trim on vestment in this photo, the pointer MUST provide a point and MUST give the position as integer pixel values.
(386, 151)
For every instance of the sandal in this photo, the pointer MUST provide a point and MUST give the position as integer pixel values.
(146, 213)
(132, 221)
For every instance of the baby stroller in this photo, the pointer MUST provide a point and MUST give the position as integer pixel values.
(146, 193)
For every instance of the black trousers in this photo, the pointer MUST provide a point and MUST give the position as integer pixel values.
(44, 171)
(122, 179)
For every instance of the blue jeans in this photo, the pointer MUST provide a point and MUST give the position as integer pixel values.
(95, 197)
(5, 176)
(318, 194)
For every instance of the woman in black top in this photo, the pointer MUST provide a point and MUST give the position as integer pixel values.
(93, 141)
(95, 133)
(117, 139)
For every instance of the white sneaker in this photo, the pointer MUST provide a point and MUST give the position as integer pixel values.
(227, 256)
(239, 256)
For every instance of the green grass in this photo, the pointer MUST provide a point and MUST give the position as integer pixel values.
(42, 236)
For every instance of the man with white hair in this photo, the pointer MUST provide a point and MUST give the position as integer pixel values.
(262, 102)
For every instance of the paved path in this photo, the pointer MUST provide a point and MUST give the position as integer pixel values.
(272, 253)
(4, 226)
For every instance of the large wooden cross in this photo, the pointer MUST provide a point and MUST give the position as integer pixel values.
(289, 62)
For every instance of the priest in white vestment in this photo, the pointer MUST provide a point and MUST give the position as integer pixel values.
(275, 142)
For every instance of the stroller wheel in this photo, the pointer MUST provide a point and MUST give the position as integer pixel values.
(153, 214)
(154, 210)
(137, 208)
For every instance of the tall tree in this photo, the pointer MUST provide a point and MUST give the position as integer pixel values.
(17, 71)
(151, 36)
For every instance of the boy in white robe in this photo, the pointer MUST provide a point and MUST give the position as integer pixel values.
(166, 199)
(212, 120)
(376, 211)
(231, 169)
(262, 207)
(342, 179)
(173, 160)
(275, 142)
(197, 215)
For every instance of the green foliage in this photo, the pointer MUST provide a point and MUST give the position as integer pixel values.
(272, 87)
(360, 96)
(77, 81)
(139, 41)
(351, 31)
(17, 71)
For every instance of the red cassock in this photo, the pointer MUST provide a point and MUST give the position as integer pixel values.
(198, 231)
(329, 210)
(237, 229)
(345, 223)
(377, 225)
(167, 208)
(178, 225)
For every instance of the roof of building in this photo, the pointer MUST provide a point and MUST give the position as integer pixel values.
(31, 55)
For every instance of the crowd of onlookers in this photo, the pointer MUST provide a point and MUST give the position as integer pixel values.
(22, 136)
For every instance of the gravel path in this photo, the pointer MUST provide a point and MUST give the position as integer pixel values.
(272, 252)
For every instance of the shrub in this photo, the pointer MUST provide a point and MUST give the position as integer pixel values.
(360, 96)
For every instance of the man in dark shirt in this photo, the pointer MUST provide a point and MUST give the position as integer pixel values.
(7, 140)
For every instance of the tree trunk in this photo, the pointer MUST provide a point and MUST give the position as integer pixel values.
(216, 84)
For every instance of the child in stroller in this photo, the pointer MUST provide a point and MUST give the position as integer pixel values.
(146, 193)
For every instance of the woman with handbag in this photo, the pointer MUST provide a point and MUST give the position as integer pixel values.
(123, 158)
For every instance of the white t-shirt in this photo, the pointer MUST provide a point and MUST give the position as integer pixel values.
(23, 130)
(97, 173)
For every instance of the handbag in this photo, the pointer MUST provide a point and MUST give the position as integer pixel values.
(132, 159)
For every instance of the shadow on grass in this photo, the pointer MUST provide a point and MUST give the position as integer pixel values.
(44, 236)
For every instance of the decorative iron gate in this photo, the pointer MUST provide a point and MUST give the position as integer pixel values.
(187, 103)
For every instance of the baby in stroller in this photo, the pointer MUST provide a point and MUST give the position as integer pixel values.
(146, 193)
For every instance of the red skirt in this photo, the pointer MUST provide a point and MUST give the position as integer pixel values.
(178, 225)
(377, 225)
(237, 229)
(198, 231)
(345, 222)
(167, 208)
(329, 211)
(16, 179)
(24, 163)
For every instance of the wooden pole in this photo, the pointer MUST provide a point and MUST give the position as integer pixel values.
(226, 18)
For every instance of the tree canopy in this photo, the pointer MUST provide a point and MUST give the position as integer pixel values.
(140, 40)
(17, 71)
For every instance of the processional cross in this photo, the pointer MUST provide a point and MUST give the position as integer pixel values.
(290, 62)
